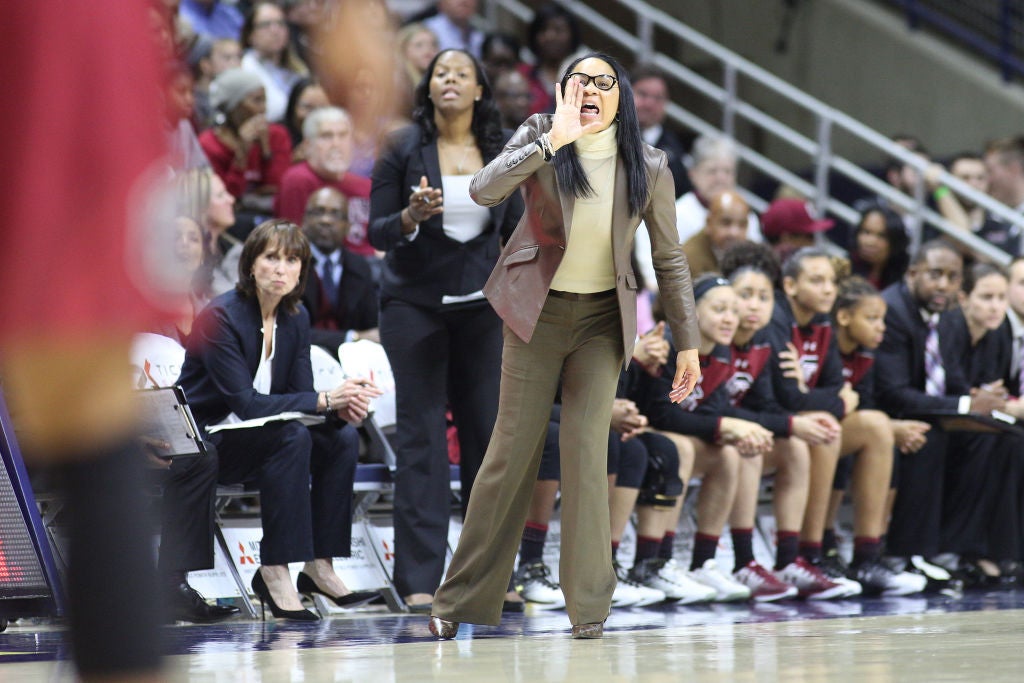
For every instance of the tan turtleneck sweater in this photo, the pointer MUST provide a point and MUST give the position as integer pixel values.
(587, 265)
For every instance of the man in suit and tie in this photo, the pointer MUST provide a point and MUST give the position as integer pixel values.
(340, 294)
(920, 372)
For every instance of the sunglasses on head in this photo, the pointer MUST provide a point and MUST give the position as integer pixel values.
(601, 81)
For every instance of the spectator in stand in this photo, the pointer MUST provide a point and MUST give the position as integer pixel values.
(212, 18)
(453, 26)
(341, 294)
(203, 197)
(920, 372)
(971, 168)
(184, 295)
(652, 95)
(512, 96)
(208, 60)
(788, 226)
(553, 37)
(500, 54)
(441, 335)
(249, 358)
(712, 171)
(726, 226)
(179, 109)
(248, 153)
(417, 45)
(270, 55)
(878, 252)
(306, 97)
(327, 138)
(902, 176)
(1004, 160)
(304, 18)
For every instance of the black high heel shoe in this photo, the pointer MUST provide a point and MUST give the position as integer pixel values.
(259, 587)
(307, 586)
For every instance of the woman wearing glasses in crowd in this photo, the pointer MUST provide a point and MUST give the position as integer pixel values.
(567, 293)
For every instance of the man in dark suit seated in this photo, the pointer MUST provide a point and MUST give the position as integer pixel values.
(917, 375)
(340, 294)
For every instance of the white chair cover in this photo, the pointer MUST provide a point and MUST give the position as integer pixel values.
(156, 360)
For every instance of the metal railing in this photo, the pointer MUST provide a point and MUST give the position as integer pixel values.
(991, 29)
(818, 146)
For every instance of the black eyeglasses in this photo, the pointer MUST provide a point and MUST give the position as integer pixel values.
(601, 81)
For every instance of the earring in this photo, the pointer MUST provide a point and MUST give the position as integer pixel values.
(477, 99)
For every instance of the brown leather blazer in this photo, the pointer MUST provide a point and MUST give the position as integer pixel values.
(519, 284)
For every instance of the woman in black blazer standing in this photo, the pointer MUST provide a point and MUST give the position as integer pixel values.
(248, 357)
(441, 335)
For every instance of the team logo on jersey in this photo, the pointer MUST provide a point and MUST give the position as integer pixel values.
(739, 384)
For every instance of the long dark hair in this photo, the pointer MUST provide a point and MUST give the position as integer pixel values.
(899, 243)
(486, 126)
(571, 177)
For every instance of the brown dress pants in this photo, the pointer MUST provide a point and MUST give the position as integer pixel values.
(578, 340)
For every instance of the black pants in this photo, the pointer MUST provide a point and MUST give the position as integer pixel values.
(981, 505)
(186, 514)
(305, 476)
(439, 358)
(917, 512)
(113, 600)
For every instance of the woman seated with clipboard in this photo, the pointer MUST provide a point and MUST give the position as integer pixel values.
(248, 360)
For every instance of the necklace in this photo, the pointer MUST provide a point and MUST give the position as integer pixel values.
(460, 166)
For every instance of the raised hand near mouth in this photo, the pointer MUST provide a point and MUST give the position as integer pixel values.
(566, 126)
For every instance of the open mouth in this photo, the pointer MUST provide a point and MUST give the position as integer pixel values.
(590, 110)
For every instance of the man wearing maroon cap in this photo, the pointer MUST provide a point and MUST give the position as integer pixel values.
(787, 225)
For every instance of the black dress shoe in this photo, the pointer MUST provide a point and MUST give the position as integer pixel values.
(307, 586)
(186, 604)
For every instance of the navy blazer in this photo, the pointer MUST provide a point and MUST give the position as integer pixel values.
(357, 307)
(433, 264)
(223, 354)
(899, 360)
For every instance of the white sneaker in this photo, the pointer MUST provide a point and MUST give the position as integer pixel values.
(655, 573)
(725, 587)
(629, 593)
(533, 581)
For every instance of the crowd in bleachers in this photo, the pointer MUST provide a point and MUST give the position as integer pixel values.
(831, 354)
